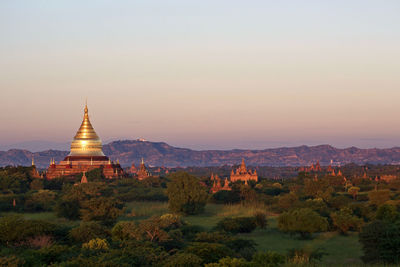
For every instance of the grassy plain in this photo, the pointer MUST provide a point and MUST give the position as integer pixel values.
(340, 250)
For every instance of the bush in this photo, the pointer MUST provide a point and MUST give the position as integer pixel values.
(302, 221)
(87, 231)
(69, 209)
(96, 244)
(43, 200)
(268, 259)
(387, 213)
(104, 209)
(344, 221)
(209, 252)
(226, 197)
(380, 242)
(183, 260)
(230, 262)
(15, 230)
(237, 225)
(378, 197)
(261, 220)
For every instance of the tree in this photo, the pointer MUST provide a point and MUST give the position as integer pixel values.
(43, 200)
(69, 209)
(287, 201)
(184, 260)
(87, 231)
(381, 242)
(209, 252)
(96, 244)
(302, 221)
(154, 229)
(387, 213)
(36, 184)
(261, 219)
(354, 191)
(186, 194)
(344, 220)
(230, 262)
(378, 197)
(237, 225)
(104, 209)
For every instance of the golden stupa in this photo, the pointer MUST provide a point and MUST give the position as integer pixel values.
(86, 142)
(86, 154)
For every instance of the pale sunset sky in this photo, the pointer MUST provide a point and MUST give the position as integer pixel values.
(210, 74)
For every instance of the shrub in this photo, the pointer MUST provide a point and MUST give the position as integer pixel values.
(183, 260)
(268, 259)
(378, 197)
(230, 262)
(104, 209)
(242, 247)
(302, 221)
(43, 200)
(261, 220)
(11, 261)
(209, 252)
(387, 213)
(345, 221)
(15, 230)
(301, 256)
(87, 231)
(380, 242)
(69, 209)
(237, 225)
(96, 244)
(226, 197)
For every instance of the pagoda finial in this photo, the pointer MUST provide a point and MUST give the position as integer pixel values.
(86, 108)
(142, 161)
(33, 161)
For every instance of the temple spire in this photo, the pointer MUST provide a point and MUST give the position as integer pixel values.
(86, 142)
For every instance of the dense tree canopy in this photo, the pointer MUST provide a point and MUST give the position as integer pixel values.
(186, 194)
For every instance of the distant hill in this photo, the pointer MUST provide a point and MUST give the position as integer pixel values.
(162, 154)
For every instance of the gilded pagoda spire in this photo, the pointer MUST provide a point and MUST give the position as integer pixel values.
(86, 142)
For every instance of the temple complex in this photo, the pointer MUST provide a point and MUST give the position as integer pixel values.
(34, 172)
(133, 170)
(142, 173)
(217, 184)
(86, 154)
(242, 174)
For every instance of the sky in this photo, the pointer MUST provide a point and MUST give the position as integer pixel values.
(202, 74)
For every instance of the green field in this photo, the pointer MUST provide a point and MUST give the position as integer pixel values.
(341, 250)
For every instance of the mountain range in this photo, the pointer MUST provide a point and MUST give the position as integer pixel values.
(162, 154)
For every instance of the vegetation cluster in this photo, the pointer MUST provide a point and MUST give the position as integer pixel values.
(62, 222)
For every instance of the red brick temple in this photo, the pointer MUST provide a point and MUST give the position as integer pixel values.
(142, 173)
(217, 184)
(242, 174)
(86, 154)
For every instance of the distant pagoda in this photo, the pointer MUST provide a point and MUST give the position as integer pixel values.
(86, 154)
(242, 174)
(142, 173)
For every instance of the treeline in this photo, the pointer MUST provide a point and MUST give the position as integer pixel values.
(94, 232)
